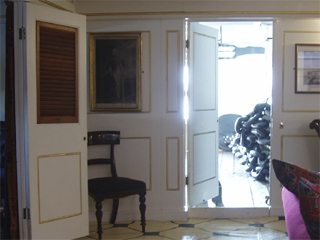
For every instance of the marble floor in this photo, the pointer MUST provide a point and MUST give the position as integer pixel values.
(234, 181)
(269, 228)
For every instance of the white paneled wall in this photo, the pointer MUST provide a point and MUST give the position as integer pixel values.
(295, 142)
(151, 147)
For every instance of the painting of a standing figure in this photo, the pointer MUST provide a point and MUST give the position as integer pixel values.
(115, 72)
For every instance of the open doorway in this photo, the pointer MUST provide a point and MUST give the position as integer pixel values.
(244, 99)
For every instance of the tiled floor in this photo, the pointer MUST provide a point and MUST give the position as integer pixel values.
(235, 182)
(270, 228)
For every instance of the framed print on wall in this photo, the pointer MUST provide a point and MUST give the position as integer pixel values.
(307, 68)
(115, 72)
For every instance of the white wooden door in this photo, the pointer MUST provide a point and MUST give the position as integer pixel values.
(56, 153)
(203, 126)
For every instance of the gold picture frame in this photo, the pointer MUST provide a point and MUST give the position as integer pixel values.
(115, 72)
(307, 68)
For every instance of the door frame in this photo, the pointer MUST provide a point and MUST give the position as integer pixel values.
(225, 212)
(275, 208)
(11, 196)
(20, 91)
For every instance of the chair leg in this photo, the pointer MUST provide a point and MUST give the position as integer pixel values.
(114, 211)
(142, 208)
(99, 218)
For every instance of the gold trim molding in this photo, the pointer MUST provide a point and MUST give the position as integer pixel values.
(193, 164)
(204, 13)
(149, 55)
(54, 5)
(39, 209)
(178, 69)
(142, 79)
(292, 136)
(178, 164)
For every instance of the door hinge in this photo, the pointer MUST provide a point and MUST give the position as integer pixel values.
(187, 44)
(22, 33)
(26, 213)
(187, 180)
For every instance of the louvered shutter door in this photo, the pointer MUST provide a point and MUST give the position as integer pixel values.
(57, 73)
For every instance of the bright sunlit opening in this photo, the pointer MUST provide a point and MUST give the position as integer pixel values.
(185, 100)
(186, 115)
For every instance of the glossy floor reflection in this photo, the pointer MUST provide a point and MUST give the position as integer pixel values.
(269, 228)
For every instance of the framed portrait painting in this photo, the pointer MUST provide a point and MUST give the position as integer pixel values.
(115, 72)
(307, 68)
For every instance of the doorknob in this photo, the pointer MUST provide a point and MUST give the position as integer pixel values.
(84, 138)
(281, 125)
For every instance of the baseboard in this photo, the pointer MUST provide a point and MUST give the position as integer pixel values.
(276, 211)
(163, 215)
(151, 215)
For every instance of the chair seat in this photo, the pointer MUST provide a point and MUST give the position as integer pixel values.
(112, 185)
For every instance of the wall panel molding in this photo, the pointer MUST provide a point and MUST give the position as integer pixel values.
(146, 72)
(204, 13)
(173, 70)
(54, 202)
(207, 173)
(302, 150)
(291, 101)
(172, 164)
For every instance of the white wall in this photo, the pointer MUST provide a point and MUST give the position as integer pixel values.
(295, 142)
(151, 147)
(281, 145)
(67, 5)
(198, 7)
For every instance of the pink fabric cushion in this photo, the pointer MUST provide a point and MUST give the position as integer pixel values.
(295, 224)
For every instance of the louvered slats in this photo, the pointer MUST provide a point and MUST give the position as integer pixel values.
(57, 73)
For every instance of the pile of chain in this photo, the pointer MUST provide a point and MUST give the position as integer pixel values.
(251, 146)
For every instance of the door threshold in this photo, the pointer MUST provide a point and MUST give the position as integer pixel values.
(228, 212)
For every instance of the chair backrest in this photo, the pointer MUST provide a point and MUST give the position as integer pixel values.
(104, 138)
(315, 124)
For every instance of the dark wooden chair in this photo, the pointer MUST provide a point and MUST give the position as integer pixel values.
(112, 187)
(315, 124)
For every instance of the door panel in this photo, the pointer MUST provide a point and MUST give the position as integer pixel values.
(203, 125)
(202, 144)
(57, 174)
(56, 153)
